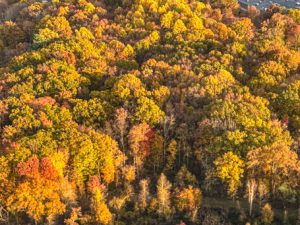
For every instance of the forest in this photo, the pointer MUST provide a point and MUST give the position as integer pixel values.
(149, 112)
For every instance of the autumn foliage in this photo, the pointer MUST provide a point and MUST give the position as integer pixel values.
(137, 112)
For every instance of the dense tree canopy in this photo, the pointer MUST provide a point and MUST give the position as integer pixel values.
(133, 112)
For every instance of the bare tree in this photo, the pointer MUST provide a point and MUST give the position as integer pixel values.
(251, 188)
(4, 215)
(163, 195)
(167, 124)
(143, 198)
(121, 124)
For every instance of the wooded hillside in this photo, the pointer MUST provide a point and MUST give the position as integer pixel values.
(132, 112)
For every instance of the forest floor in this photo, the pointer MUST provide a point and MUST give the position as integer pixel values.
(242, 206)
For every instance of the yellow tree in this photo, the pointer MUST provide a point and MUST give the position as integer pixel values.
(179, 27)
(189, 200)
(267, 214)
(147, 111)
(99, 208)
(5, 184)
(102, 212)
(276, 163)
(230, 169)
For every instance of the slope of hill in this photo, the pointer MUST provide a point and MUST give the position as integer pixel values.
(149, 112)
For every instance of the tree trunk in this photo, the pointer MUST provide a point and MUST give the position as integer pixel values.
(194, 215)
(285, 215)
(298, 220)
(251, 186)
(250, 207)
